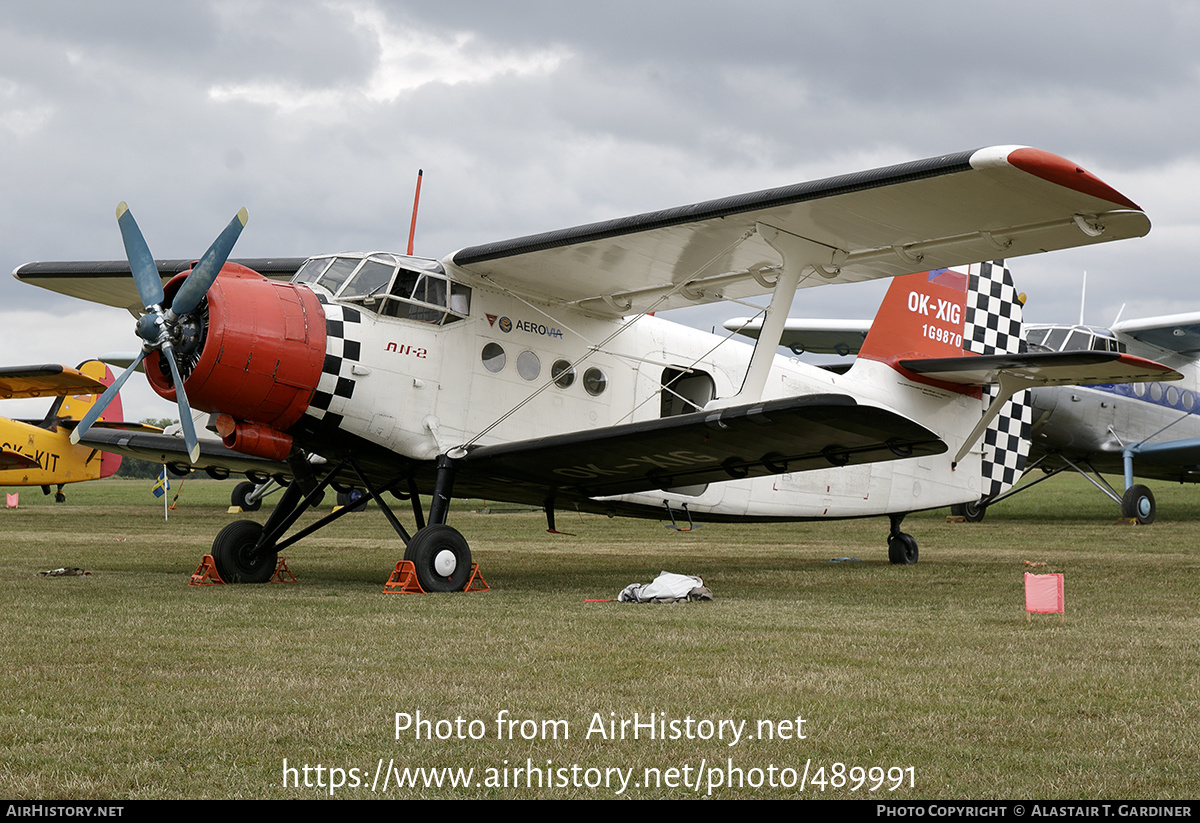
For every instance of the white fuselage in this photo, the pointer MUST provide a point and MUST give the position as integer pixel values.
(423, 389)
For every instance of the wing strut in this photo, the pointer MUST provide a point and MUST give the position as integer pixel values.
(799, 255)
(1009, 384)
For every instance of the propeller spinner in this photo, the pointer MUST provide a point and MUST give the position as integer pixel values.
(165, 329)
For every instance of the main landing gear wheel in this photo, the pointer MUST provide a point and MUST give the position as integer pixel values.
(240, 497)
(441, 557)
(1138, 503)
(972, 512)
(902, 549)
(233, 552)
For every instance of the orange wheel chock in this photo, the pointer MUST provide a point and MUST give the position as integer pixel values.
(404, 580)
(282, 573)
(206, 573)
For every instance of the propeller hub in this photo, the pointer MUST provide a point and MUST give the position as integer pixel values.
(151, 327)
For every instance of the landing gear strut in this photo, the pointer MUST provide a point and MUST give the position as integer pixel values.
(902, 547)
(246, 552)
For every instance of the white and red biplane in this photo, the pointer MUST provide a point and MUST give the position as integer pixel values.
(532, 370)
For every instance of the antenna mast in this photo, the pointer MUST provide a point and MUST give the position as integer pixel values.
(412, 228)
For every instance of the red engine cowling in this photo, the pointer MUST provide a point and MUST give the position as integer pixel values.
(262, 354)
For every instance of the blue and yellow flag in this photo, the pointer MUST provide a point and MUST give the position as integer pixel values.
(162, 485)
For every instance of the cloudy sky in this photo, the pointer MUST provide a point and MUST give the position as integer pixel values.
(530, 116)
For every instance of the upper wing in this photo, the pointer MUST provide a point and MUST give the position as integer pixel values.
(958, 208)
(816, 336)
(777, 436)
(1173, 332)
(1068, 368)
(110, 283)
(46, 381)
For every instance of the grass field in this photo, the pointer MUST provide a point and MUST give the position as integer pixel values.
(130, 684)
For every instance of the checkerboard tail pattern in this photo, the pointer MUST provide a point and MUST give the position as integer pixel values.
(993, 326)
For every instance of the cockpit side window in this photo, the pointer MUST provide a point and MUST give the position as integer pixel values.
(371, 279)
(311, 271)
(1055, 339)
(1078, 340)
(336, 274)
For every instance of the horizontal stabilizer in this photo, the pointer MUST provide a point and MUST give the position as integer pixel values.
(1068, 368)
(755, 440)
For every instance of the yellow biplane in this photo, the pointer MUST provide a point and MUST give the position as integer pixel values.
(39, 453)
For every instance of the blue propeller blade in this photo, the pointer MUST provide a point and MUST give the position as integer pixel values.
(141, 262)
(185, 411)
(97, 409)
(206, 271)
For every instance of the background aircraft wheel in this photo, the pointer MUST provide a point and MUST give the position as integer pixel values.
(973, 511)
(232, 551)
(241, 493)
(902, 549)
(355, 499)
(1138, 502)
(442, 558)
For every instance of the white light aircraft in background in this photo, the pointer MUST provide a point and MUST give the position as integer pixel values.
(532, 370)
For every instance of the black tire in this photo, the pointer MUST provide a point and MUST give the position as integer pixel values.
(355, 499)
(441, 557)
(1138, 503)
(59, 497)
(233, 553)
(240, 497)
(973, 512)
(902, 549)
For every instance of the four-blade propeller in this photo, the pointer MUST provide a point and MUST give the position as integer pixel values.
(162, 328)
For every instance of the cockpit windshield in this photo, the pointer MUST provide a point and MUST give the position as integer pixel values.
(1072, 338)
(390, 285)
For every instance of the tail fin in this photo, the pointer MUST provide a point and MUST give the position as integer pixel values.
(994, 326)
(75, 406)
(945, 313)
